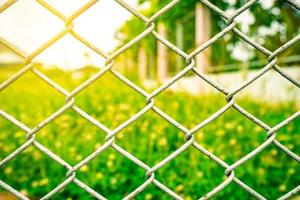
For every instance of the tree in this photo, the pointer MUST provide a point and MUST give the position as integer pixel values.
(270, 23)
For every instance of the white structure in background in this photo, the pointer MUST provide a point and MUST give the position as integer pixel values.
(8, 58)
(202, 34)
(271, 87)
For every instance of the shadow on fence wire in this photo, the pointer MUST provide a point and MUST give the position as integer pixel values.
(150, 103)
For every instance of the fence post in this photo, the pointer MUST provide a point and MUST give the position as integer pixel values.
(179, 43)
(202, 34)
(151, 65)
(142, 63)
(162, 54)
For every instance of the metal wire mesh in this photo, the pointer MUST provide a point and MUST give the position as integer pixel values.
(150, 105)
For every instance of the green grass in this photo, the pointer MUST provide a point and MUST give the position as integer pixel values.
(192, 175)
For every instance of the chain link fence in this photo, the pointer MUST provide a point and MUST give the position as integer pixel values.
(149, 98)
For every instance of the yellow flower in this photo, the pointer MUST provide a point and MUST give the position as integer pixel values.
(200, 136)
(200, 174)
(6, 149)
(19, 134)
(84, 168)
(261, 171)
(240, 128)
(124, 107)
(290, 146)
(24, 192)
(109, 163)
(44, 182)
(57, 144)
(99, 175)
(144, 126)
(174, 176)
(175, 105)
(222, 157)
(257, 129)
(262, 111)
(97, 145)
(43, 133)
(8, 170)
(211, 150)
(163, 142)
(232, 142)
(179, 188)
(111, 156)
(88, 136)
(37, 155)
(72, 149)
(220, 133)
(152, 136)
(188, 198)
(255, 143)
(274, 152)
(119, 117)
(282, 187)
(29, 150)
(148, 196)
(229, 125)
(34, 184)
(120, 135)
(78, 157)
(110, 108)
(113, 181)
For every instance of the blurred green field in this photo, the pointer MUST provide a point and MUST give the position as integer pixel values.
(192, 175)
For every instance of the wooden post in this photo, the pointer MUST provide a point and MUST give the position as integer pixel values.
(152, 62)
(179, 44)
(142, 63)
(130, 62)
(202, 34)
(125, 56)
(245, 70)
(162, 54)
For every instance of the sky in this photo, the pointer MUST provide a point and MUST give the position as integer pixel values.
(28, 25)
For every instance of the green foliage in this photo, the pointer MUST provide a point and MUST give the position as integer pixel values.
(150, 138)
(281, 14)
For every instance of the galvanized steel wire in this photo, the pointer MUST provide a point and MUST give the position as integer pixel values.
(150, 24)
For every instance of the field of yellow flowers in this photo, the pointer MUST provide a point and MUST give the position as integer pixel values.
(230, 137)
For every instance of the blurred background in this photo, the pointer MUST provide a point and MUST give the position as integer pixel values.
(230, 61)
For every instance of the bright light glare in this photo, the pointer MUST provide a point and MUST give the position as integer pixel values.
(28, 25)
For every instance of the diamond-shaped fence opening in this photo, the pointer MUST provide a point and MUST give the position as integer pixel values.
(21, 92)
(192, 136)
(44, 176)
(22, 13)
